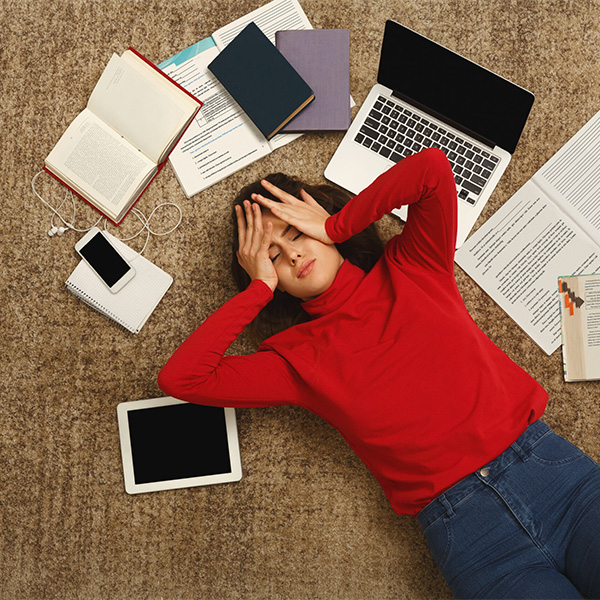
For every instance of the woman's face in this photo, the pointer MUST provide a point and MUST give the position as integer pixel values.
(305, 267)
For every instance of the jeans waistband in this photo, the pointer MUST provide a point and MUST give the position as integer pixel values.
(520, 449)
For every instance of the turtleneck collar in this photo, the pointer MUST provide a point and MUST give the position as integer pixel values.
(345, 283)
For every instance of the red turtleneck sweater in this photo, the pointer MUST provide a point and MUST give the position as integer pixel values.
(392, 359)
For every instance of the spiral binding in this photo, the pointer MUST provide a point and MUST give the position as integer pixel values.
(81, 295)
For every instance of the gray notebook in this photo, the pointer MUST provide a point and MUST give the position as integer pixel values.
(322, 58)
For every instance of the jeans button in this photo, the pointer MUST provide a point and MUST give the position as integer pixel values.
(484, 472)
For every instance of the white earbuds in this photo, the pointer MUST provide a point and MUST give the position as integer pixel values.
(54, 230)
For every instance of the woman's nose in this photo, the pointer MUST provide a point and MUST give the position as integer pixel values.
(293, 254)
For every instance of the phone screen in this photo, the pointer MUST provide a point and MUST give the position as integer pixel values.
(104, 259)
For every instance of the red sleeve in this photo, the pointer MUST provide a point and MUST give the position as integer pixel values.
(426, 183)
(199, 372)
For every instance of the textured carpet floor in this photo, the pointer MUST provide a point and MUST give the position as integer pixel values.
(307, 520)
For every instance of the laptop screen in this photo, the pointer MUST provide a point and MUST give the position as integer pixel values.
(453, 88)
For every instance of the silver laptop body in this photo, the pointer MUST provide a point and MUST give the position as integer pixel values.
(428, 96)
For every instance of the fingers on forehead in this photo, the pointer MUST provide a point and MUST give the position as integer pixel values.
(277, 192)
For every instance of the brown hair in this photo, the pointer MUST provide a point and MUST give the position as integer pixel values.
(363, 250)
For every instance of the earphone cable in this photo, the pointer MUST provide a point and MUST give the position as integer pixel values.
(138, 213)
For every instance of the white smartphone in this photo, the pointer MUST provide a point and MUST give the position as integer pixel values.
(107, 262)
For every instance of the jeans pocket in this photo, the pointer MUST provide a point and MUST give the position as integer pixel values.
(438, 536)
(553, 449)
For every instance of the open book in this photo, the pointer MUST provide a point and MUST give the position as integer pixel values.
(112, 150)
(580, 311)
(222, 139)
(548, 229)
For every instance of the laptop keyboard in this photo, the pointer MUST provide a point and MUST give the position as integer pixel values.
(394, 132)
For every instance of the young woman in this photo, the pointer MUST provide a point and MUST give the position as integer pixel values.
(446, 422)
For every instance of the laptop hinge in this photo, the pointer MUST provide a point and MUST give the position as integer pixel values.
(448, 122)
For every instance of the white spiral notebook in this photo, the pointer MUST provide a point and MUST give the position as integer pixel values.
(133, 304)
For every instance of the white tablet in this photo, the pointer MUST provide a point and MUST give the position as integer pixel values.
(169, 444)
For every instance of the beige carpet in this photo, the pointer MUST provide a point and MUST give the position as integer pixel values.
(307, 520)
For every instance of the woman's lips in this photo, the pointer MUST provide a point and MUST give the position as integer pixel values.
(306, 268)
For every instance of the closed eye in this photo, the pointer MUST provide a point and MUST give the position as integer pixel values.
(295, 233)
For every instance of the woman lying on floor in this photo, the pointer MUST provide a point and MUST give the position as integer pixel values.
(380, 345)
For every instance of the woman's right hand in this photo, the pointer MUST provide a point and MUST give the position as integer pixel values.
(253, 244)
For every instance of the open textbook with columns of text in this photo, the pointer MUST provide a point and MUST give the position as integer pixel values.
(222, 139)
(548, 229)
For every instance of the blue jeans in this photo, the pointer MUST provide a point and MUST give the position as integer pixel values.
(527, 525)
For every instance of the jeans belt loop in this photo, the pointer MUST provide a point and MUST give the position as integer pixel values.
(524, 456)
(446, 505)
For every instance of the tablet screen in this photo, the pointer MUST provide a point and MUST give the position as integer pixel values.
(169, 444)
(178, 442)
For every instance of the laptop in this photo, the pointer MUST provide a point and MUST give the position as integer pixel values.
(428, 96)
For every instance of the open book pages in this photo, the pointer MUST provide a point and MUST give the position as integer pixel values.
(100, 166)
(549, 228)
(142, 105)
(222, 139)
(111, 151)
(580, 311)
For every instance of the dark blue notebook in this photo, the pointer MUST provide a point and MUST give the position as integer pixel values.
(261, 80)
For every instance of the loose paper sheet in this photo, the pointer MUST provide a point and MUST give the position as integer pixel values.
(518, 255)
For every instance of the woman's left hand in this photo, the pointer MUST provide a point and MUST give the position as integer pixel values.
(306, 215)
